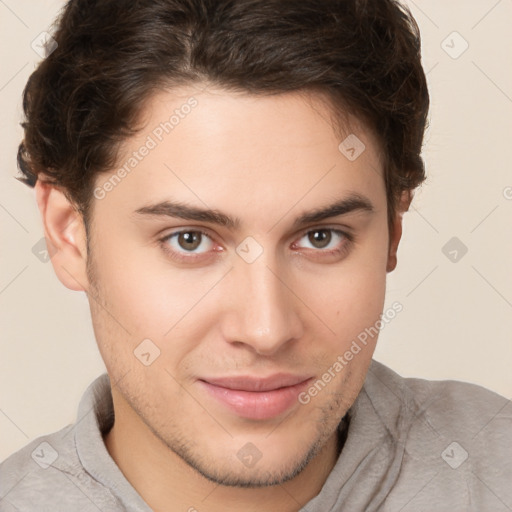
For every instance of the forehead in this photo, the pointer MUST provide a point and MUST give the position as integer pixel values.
(244, 153)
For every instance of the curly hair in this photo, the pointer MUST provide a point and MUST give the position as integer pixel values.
(84, 98)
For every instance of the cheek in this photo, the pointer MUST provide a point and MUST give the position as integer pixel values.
(145, 289)
(351, 302)
(143, 296)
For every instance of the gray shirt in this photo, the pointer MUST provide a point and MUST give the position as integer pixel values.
(411, 445)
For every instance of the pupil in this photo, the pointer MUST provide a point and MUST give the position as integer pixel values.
(320, 238)
(189, 239)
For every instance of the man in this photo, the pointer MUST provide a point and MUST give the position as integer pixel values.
(226, 182)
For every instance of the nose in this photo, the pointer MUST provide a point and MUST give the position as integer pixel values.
(264, 311)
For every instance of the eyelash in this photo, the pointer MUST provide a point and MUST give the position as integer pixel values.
(191, 257)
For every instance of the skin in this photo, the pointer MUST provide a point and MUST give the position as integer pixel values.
(295, 309)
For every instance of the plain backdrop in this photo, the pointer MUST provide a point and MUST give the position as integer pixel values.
(457, 316)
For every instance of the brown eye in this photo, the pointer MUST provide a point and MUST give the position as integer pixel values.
(320, 238)
(325, 242)
(188, 243)
(189, 240)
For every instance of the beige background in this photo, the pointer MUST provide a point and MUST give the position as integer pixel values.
(457, 317)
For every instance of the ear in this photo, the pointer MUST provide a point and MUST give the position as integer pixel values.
(65, 235)
(396, 235)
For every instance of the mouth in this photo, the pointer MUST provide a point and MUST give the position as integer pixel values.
(256, 398)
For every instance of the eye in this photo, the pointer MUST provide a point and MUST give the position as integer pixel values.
(328, 240)
(187, 243)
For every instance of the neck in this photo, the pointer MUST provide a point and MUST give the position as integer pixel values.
(166, 482)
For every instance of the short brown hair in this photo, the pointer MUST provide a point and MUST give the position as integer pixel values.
(83, 99)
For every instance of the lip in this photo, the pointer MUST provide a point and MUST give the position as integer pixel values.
(256, 398)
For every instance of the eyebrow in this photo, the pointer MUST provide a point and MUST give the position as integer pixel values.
(175, 209)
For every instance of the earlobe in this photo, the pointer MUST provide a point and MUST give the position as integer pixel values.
(393, 243)
(396, 235)
(65, 235)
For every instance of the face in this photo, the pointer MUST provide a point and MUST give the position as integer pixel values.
(225, 332)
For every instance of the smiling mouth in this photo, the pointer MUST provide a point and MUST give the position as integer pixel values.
(256, 398)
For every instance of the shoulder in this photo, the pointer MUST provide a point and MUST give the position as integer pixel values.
(48, 475)
(41, 465)
(431, 416)
(455, 438)
(471, 405)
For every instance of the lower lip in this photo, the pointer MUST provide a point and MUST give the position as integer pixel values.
(256, 405)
